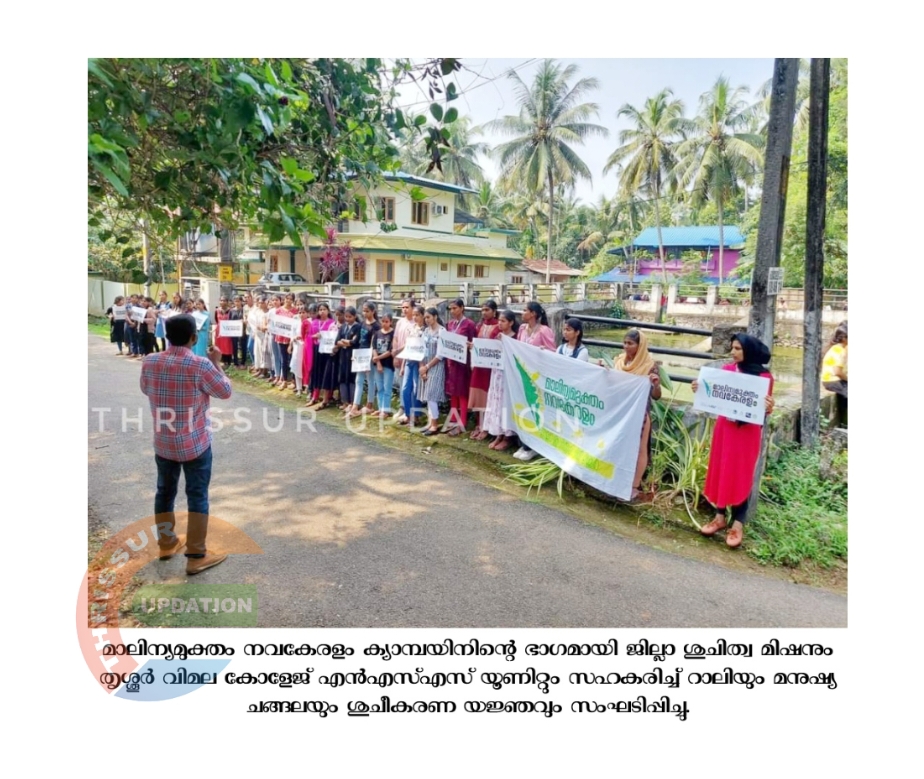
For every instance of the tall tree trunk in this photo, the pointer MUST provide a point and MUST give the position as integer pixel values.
(548, 265)
(660, 239)
(721, 238)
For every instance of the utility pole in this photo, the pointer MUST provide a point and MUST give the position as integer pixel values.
(814, 248)
(772, 213)
(773, 199)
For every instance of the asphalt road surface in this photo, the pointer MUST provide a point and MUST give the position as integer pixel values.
(355, 534)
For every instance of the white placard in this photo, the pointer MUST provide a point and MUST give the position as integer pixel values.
(487, 353)
(414, 350)
(201, 318)
(452, 347)
(118, 313)
(327, 341)
(737, 396)
(362, 360)
(286, 327)
(231, 328)
(138, 313)
(166, 313)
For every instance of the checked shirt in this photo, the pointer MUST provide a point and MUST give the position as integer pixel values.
(179, 385)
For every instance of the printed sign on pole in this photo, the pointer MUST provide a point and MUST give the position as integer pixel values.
(362, 360)
(413, 349)
(452, 347)
(487, 353)
(737, 396)
(231, 328)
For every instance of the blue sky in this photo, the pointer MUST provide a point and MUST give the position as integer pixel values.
(487, 93)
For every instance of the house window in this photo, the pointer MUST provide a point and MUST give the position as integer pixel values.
(482, 271)
(387, 209)
(417, 273)
(359, 271)
(444, 266)
(516, 279)
(385, 271)
(463, 271)
(358, 207)
(274, 264)
(420, 213)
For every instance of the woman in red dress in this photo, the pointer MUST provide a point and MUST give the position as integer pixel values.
(458, 374)
(481, 377)
(223, 343)
(735, 448)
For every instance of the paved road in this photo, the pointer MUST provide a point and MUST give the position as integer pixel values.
(358, 535)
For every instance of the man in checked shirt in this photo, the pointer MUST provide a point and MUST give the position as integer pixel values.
(179, 384)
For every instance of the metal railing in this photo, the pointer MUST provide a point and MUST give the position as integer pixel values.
(632, 323)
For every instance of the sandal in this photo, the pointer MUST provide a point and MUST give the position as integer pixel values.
(475, 433)
(480, 436)
(504, 444)
(713, 527)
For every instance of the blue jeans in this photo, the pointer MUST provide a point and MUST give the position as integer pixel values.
(362, 377)
(198, 474)
(409, 402)
(383, 382)
(250, 348)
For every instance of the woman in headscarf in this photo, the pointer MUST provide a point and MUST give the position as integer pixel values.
(735, 447)
(834, 373)
(636, 360)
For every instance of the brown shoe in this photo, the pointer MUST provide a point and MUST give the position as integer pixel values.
(734, 536)
(711, 528)
(166, 552)
(196, 565)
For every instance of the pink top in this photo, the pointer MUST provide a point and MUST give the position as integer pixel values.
(543, 337)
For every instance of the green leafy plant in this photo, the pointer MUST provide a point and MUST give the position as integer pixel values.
(535, 474)
(679, 457)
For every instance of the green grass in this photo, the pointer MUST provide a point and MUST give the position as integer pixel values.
(98, 325)
(801, 517)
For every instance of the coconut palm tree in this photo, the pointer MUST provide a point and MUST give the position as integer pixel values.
(717, 155)
(645, 156)
(491, 207)
(550, 122)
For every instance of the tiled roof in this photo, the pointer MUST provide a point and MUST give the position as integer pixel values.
(558, 267)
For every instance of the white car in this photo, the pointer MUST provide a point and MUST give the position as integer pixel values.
(281, 279)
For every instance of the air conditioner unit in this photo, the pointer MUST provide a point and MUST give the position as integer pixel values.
(439, 210)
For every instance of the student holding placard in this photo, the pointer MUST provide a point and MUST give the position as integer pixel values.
(117, 325)
(495, 413)
(159, 332)
(320, 388)
(297, 349)
(348, 339)
(286, 310)
(410, 371)
(481, 377)
(223, 342)
(383, 365)
(535, 331)
(203, 324)
(735, 447)
(458, 374)
(309, 329)
(239, 343)
(572, 338)
(131, 329)
(147, 326)
(367, 330)
(432, 389)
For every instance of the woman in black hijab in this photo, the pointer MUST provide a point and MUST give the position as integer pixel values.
(735, 447)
